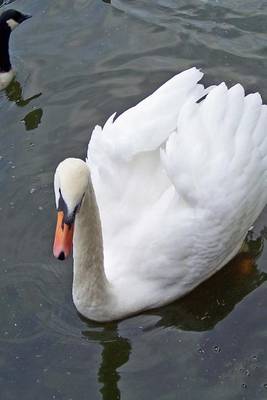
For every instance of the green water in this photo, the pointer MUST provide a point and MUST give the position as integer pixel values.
(77, 62)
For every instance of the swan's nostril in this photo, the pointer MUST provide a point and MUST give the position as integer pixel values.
(61, 256)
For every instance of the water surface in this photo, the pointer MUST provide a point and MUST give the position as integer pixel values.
(78, 62)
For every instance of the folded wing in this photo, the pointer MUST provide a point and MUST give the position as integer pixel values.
(124, 156)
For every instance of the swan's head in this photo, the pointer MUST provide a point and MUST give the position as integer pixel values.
(70, 184)
(12, 18)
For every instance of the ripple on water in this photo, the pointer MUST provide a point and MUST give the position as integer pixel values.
(35, 302)
(28, 306)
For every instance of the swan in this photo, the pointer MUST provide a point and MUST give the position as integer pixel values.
(165, 198)
(9, 20)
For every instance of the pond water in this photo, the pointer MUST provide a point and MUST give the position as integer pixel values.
(78, 62)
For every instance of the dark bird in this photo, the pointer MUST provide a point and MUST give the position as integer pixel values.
(9, 20)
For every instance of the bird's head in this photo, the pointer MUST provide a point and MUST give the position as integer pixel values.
(13, 18)
(70, 185)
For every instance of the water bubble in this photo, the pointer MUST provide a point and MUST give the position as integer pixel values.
(216, 348)
(265, 385)
(201, 351)
(244, 386)
(244, 371)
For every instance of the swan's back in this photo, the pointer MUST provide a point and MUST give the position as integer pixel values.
(178, 184)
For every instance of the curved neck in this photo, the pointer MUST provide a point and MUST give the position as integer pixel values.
(91, 290)
(5, 65)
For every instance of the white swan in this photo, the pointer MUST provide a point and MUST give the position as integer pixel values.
(166, 198)
(9, 20)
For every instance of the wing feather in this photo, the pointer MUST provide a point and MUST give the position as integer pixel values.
(215, 158)
(124, 156)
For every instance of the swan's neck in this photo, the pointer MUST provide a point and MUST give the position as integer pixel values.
(91, 290)
(5, 65)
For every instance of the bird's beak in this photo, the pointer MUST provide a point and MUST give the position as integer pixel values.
(63, 238)
(26, 16)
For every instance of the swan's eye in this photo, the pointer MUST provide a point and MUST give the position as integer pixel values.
(68, 218)
(62, 206)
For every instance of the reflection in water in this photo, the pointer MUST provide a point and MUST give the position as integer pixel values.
(4, 2)
(33, 119)
(214, 299)
(115, 353)
(201, 310)
(14, 94)
(108, 374)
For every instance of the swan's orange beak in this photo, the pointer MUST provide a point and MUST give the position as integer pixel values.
(63, 238)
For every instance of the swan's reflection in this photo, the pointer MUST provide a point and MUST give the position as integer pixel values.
(201, 310)
(115, 353)
(214, 299)
(14, 94)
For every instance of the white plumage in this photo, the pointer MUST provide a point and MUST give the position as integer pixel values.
(178, 184)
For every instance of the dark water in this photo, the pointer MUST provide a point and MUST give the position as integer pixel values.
(77, 62)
